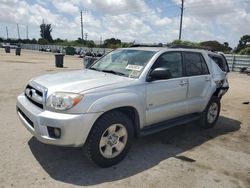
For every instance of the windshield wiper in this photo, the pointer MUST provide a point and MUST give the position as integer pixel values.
(114, 72)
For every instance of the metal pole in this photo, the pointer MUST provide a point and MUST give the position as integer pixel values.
(182, 7)
(86, 36)
(18, 31)
(81, 25)
(27, 32)
(7, 33)
(233, 62)
(43, 29)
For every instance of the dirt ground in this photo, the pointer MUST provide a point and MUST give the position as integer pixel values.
(184, 156)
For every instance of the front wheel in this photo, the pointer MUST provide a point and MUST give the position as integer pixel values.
(210, 115)
(110, 139)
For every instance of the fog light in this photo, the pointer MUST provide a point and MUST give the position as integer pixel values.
(54, 132)
(57, 132)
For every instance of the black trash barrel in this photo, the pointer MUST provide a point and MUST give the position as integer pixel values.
(59, 59)
(7, 49)
(18, 51)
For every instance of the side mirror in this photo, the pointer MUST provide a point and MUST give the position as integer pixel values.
(160, 73)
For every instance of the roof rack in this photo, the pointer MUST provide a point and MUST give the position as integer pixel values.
(191, 47)
(146, 45)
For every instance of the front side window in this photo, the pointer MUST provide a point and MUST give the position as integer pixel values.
(194, 64)
(171, 61)
(124, 62)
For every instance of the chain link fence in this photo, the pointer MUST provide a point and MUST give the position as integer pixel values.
(60, 49)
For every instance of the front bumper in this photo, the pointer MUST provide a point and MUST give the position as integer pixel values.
(74, 127)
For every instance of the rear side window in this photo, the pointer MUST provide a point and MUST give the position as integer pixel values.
(220, 62)
(194, 64)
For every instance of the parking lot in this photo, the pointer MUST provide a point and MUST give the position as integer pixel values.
(185, 156)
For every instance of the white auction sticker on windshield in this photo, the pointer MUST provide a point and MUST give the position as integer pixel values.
(134, 67)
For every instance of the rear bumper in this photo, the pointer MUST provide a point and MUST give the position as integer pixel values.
(74, 127)
(223, 91)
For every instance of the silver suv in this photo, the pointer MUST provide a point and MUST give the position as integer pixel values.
(128, 93)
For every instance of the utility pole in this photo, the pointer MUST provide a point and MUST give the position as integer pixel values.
(81, 25)
(182, 7)
(7, 33)
(86, 36)
(101, 40)
(18, 31)
(43, 27)
(27, 32)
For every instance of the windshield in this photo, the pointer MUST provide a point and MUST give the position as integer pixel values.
(124, 62)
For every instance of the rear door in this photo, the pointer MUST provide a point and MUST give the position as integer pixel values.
(199, 80)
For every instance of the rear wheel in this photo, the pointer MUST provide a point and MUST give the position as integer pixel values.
(110, 139)
(210, 115)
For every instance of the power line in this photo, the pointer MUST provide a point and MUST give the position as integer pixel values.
(182, 7)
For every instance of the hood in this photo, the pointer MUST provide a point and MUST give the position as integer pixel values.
(78, 81)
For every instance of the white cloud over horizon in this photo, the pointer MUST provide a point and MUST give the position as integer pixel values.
(129, 20)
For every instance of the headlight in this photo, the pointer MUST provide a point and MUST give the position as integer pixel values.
(63, 101)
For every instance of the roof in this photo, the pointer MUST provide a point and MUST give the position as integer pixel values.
(156, 49)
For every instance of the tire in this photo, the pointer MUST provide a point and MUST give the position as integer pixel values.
(209, 116)
(110, 139)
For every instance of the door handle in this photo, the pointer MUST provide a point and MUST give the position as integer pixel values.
(182, 83)
(207, 79)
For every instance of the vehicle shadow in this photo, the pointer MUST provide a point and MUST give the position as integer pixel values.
(69, 165)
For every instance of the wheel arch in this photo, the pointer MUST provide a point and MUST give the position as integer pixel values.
(131, 112)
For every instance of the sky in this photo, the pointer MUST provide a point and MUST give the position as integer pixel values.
(143, 21)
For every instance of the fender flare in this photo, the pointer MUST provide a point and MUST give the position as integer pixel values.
(119, 100)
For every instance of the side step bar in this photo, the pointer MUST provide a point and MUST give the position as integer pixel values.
(151, 129)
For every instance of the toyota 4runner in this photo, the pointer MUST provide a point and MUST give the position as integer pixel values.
(128, 93)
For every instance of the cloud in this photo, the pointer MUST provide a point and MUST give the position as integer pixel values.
(65, 7)
(216, 20)
(144, 21)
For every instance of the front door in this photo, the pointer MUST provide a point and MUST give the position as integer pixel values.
(166, 99)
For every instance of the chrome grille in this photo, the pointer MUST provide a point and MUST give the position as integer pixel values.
(35, 94)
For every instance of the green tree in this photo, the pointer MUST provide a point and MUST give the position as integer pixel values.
(80, 41)
(227, 48)
(58, 41)
(45, 32)
(215, 45)
(112, 43)
(90, 43)
(242, 43)
(183, 43)
(245, 51)
(43, 41)
(33, 41)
